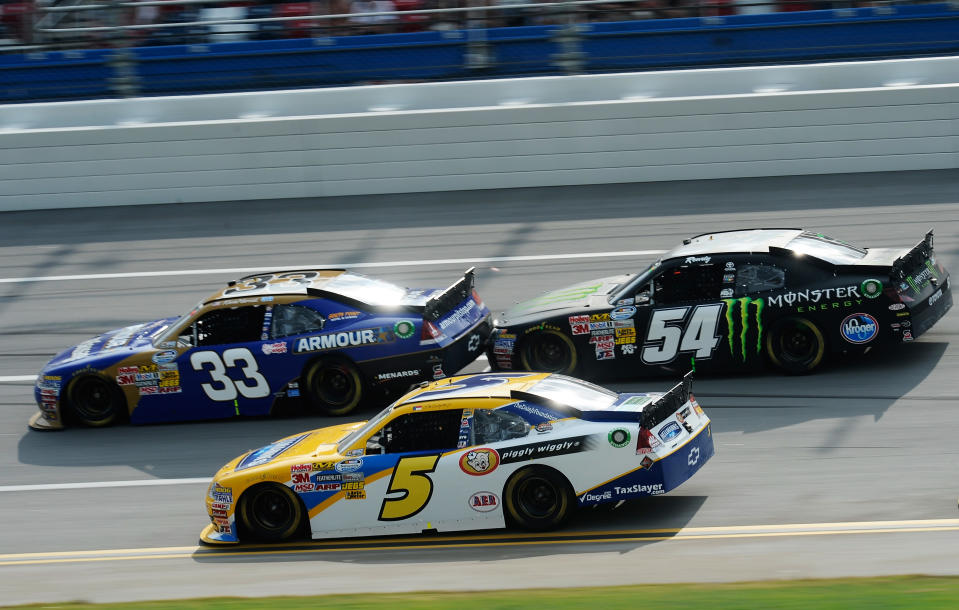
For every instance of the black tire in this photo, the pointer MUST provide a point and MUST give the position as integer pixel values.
(95, 401)
(333, 386)
(538, 498)
(270, 513)
(548, 351)
(796, 346)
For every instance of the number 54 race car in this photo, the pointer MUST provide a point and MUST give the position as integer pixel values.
(470, 452)
(731, 300)
(326, 336)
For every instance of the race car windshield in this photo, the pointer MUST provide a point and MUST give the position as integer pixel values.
(825, 248)
(575, 393)
(366, 289)
(628, 289)
(371, 425)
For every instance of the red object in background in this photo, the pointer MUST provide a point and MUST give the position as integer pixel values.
(298, 28)
(411, 23)
(718, 8)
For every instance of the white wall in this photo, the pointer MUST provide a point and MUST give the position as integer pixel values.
(680, 125)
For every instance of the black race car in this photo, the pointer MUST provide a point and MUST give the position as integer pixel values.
(731, 300)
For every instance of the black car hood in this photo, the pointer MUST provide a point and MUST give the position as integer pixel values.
(580, 297)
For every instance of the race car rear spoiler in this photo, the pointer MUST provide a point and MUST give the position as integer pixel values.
(442, 304)
(667, 404)
(914, 258)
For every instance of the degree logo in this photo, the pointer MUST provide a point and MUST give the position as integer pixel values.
(478, 462)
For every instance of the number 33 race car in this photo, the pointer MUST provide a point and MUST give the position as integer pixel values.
(327, 336)
(464, 453)
(731, 301)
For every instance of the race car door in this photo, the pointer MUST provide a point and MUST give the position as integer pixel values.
(680, 313)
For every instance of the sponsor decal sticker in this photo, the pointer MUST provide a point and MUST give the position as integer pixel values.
(897, 306)
(351, 465)
(693, 458)
(618, 438)
(544, 427)
(935, 297)
(697, 259)
(791, 298)
(265, 454)
(647, 462)
(484, 501)
(622, 313)
(579, 325)
(670, 431)
(859, 328)
(404, 329)
(459, 314)
(750, 312)
(164, 357)
(340, 316)
(398, 375)
(274, 348)
(474, 342)
(353, 338)
(478, 462)
(523, 453)
(871, 289)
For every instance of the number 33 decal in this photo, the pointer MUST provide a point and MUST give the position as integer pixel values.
(221, 386)
(409, 477)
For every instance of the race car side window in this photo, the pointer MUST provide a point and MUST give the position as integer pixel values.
(418, 431)
(295, 320)
(229, 325)
(688, 283)
(491, 426)
(751, 279)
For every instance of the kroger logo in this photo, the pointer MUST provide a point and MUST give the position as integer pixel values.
(859, 328)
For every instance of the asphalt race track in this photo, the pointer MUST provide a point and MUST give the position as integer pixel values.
(852, 471)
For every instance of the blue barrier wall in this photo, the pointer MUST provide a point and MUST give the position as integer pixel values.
(520, 51)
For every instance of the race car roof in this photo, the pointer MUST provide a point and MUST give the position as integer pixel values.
(305, 282)
(489, 385)
(728, 242)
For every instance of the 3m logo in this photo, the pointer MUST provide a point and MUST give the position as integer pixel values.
(750, 311)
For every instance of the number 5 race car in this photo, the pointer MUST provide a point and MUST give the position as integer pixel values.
(327, 336)
(733, 300)
(464, 453)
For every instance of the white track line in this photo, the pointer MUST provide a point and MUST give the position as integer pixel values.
(102, 484)
(241, 270)
(10, 378)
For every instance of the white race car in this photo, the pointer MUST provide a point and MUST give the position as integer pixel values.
(464, 453)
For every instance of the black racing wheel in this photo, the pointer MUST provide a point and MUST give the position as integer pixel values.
(538, 498)
(93, 400)
(795, 345)
(548, 351)
(270, 513)
(333, 386)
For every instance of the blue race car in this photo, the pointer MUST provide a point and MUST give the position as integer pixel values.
(326, 336)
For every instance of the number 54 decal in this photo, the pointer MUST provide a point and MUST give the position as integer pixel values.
(409, 477)
(673, 330)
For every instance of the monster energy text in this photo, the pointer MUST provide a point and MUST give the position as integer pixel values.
(744, 304)
(814, 296)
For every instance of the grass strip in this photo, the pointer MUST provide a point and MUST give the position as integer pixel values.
(840, 594)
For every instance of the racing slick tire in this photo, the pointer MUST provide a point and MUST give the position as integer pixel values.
(538, 498)
(333, 386)
(548, 351)
(270, 513)
(795, 345)
(95, 401)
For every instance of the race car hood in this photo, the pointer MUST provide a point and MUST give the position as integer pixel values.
(575, 298)
(129, 337)
(298, 447)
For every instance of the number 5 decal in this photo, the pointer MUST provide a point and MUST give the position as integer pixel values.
(221, 386)
(409, 477)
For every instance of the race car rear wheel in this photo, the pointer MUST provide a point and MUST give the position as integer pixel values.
(333, 386)
(548, 351)
(270, 513)
(538, 498)
(94, 400)
(796, 346)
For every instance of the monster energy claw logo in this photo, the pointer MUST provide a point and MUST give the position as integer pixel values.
(744, 304)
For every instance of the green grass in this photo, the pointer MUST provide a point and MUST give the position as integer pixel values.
(872, 593)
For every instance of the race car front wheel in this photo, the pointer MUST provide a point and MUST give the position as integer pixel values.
(95, 401)
(538, 498)
(548, 351)
(795, 345)
(333, 386)
(270, 513)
